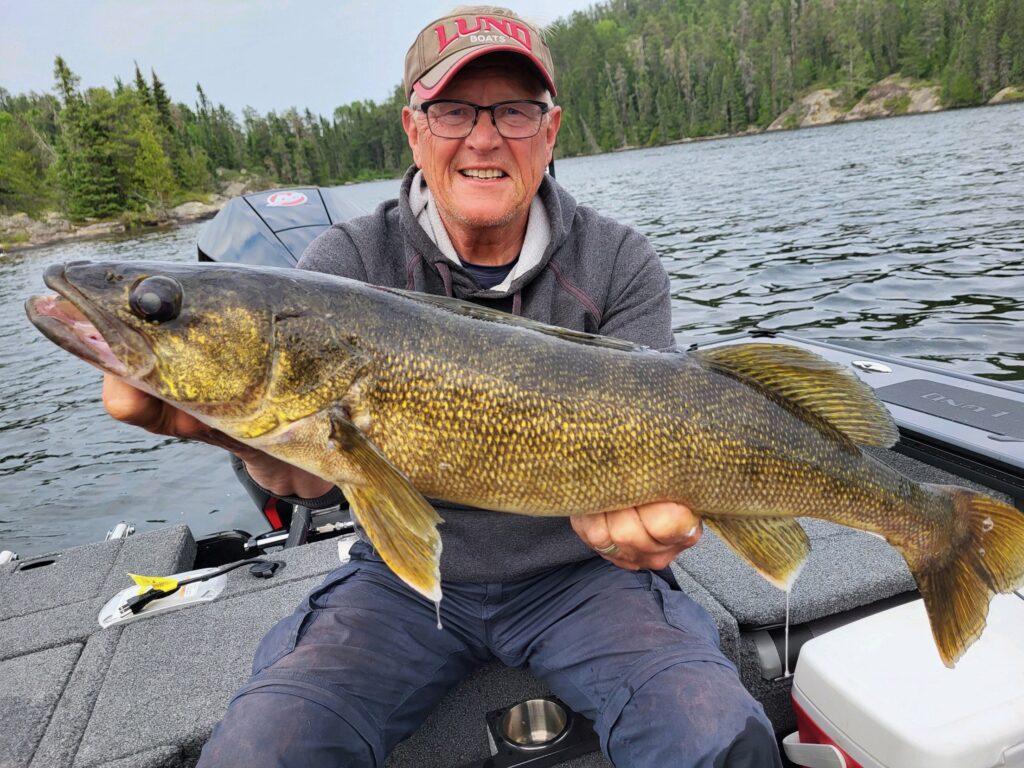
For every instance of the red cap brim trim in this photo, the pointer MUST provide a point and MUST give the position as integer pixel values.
(429, 93)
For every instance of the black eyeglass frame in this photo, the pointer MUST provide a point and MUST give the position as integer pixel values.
(477, 108)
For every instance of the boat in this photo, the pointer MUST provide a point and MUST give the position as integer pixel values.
(85, 683)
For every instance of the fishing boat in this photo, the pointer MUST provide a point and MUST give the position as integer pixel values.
(86, 683)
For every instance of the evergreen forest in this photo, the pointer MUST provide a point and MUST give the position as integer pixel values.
(629, 72)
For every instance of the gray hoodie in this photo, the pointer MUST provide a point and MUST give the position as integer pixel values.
(595, 275)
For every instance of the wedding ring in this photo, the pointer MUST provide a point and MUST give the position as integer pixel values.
(608, 551)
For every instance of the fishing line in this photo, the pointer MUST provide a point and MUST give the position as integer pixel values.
(786, 652)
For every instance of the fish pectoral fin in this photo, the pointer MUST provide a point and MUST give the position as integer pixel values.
(399, 522)
(775, 547)
(827, 389)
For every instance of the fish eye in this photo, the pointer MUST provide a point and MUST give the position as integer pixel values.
(157, 299)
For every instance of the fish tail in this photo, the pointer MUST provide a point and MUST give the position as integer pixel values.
(985, 557)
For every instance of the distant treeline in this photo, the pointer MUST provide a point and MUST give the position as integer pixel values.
(642, 72)
(100, 153)
(630, 73)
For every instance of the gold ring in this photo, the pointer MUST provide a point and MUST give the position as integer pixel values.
(608, 551)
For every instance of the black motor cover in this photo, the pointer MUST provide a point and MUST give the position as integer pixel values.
(273, 228)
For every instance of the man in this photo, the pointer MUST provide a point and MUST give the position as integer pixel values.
(361, 663)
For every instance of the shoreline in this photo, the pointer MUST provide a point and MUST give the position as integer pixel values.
(54, 229)
(890, 97)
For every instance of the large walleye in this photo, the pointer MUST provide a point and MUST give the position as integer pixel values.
(395, 396)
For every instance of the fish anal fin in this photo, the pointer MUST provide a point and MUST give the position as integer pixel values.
(399, 522)
(827, 389)
(775, 547)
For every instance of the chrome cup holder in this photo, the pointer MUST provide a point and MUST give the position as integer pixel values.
(536, 733)
(534, 724)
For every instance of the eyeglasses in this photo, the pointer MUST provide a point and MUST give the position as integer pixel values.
(455, 119)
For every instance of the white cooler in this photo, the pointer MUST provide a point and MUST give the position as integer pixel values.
(874, 694)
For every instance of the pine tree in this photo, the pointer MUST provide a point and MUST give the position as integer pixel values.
(22, 167)
(162, 104)
(142, 86)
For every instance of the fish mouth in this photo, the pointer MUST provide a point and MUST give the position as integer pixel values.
(73, 322)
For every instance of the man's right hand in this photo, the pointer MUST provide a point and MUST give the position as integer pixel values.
(133, 406)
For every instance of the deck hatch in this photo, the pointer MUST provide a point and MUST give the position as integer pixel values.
(991, 413)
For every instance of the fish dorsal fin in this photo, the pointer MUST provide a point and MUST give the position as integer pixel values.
(821, 386)
(775, 547)
(488, 314)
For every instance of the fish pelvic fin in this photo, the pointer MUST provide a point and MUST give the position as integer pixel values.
(986, 558)
(775, 547)
(827, 389)
(399, 522)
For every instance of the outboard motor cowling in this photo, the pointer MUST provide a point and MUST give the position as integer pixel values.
(272, 228)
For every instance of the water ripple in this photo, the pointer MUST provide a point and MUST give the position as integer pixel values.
(905, 236)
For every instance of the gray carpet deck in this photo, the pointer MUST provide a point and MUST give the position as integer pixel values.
(73, 695)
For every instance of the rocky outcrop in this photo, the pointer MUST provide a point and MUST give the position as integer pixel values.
(895, 96)
(195, 211)
(816, 108)
(20, 231)
(892, 96)
(1008, 95)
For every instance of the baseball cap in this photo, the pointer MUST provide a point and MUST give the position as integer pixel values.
(447, 44)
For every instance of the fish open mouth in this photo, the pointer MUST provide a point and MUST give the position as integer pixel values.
(72, 322)
(64, 324)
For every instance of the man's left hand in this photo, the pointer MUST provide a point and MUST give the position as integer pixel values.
(645, 536)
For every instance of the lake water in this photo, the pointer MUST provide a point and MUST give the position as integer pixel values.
(902, 237)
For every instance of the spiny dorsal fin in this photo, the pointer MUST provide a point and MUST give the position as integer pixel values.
(775, 547)
(825, 388)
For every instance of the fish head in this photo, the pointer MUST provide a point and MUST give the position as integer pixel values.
(197, 336)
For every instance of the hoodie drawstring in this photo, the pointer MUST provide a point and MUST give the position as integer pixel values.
(517, 303)
(446, 278)
(410, 272)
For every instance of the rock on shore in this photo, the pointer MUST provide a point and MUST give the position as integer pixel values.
(894, 95)
(20, 231)
(1008, 95)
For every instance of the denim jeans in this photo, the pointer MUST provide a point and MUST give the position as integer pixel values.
(361, 663)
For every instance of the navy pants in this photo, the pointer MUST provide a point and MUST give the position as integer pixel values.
(361, 663)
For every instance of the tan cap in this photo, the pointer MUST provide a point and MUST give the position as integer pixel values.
(449, 43)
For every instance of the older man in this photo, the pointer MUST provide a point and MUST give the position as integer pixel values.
(362, 662)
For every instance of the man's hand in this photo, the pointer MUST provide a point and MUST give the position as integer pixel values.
(646, 536)
(132, 406)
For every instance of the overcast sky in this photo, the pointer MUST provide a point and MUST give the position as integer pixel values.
(268, 54)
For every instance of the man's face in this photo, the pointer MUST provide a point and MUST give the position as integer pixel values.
(446, 163)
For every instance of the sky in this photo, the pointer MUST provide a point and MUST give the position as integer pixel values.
(267, 54)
